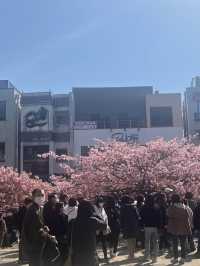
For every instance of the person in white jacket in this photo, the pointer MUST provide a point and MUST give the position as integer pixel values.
(102, 235)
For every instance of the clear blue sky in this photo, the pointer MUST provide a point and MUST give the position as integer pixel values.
(57, 44)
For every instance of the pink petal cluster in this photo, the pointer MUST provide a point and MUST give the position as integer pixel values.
(113, 167)
(15, 187)
(117, 166)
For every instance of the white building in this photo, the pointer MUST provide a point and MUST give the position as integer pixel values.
(126, 114)
(192, 108)
(9, 124)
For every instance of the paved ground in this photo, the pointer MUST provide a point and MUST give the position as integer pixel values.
(8, 257)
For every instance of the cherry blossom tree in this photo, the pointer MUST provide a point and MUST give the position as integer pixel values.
(15, 187)
(113, 167)
(120, 166)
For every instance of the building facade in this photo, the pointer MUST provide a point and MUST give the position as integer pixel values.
(36, 123)
(9, 124)
(133, 114)
(45, 126)
(192, 108)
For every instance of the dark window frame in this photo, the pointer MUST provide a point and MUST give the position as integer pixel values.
(156, 116)
(3, 111)
(3, 150)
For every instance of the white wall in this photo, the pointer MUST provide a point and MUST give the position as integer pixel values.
(87, 137)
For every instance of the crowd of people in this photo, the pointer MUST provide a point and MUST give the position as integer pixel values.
(66, 232)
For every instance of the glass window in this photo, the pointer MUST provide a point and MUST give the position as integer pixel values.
(2, 152)
(62, 118)
(85, 150)
(61, 152)
(161, 116)
(2, 110)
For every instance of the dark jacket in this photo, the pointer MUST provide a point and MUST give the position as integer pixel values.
(84, 241)
(129, 221)
(20, 218)
(48, 215)
(113, 214)
(151, 217)
(197, 218)
(31, 233)
(60, 227)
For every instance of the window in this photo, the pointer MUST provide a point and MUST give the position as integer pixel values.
(161, 116)
(2, 110)
(85, 150)
(2, 152)
(197, 114)
(61, 152)
(62, 118)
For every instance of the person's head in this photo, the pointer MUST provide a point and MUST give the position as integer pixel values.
(27, 202)
(149, 202)
(53, 198)
(175, 199)
(59, 208)
(126, 200)
(110, 202)
(85, 210)
(63, 198)
(72, 202)
(140, 199)
(100, 202)
(38, 196)
(188, 195)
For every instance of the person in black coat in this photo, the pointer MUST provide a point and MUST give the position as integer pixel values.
(49, 210)
(21, 214)
(196, 217)
(129, 223)
(84, 235)
(20, 220)
(152, 220)
(60, 231)
(113, 214)
(35, 235)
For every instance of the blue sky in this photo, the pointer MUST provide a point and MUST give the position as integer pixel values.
(57, 44)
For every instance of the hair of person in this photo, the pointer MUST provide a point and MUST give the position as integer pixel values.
(72, 202)
(175, 198)
(37, 191)
(27, 201)
(63, 197)
(59, 206)
(51, 196)
(126, 200)
(99, 199)
(85, 210)
(140, 198)
(189, 195)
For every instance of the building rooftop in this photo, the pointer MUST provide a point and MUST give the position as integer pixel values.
(6, 84)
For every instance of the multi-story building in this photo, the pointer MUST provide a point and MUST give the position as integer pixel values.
(9, 124)
(45, 126)
(192, 108)
(71, 123)
(126, 114)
